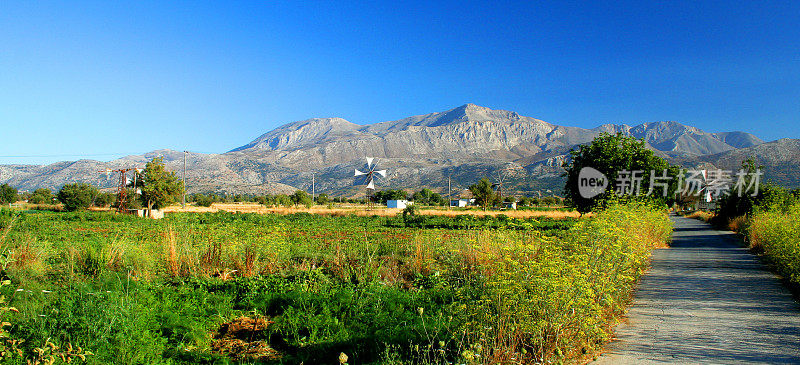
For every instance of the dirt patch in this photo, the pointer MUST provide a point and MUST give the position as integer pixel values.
(244, 338)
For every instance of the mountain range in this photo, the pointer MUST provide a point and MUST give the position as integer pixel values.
(463, 144)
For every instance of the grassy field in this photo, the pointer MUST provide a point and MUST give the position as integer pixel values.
(270, 288)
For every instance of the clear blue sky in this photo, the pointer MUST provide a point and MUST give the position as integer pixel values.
(102, 78)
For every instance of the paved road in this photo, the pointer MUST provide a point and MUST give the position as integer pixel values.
(707, 300)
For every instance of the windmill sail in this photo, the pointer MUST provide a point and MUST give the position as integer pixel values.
(367, 177)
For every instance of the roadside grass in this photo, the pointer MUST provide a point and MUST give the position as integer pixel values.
(701, 215)
(380, 289)
(776, 233)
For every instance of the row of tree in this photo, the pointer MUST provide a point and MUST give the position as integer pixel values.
(298, 198)
(72, 196)
(486, 197)
(158, 188)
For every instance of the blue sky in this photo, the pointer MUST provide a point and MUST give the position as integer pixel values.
(104, 79)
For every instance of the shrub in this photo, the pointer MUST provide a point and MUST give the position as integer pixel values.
(701, 215)
(41, 196)
(8, 194)
(300, 197)
(76, 196)
(203, 200)
(776, 233)
(105, 200)
(557, 299)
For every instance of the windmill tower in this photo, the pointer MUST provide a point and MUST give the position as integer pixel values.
(367, 178)
(705, 189)
(499, 180)
(498, 186)
(698, 189)
(122, 187)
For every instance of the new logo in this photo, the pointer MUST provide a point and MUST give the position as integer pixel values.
(591, 182)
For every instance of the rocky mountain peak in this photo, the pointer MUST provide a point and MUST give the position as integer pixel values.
(467, 141)
(300, 133)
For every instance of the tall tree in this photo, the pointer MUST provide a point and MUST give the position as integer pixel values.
(8, 194)
(483, 193)
(385, 195)
(323, 199)
(159, 186)
(428, 197)
(77, 196)
(300, 197)
(613, 154)
(41, 196)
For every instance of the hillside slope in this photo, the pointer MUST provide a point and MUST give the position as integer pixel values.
(462, 143)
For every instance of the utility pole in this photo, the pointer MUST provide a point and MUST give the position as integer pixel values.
(312, 187)
(449, 197)
(183, 200)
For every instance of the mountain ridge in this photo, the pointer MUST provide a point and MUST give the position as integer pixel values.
(420, 150)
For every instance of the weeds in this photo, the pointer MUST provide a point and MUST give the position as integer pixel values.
(465, 289)
(776, 233)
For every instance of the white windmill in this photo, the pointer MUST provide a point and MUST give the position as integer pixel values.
(701, 186)
(368, 177)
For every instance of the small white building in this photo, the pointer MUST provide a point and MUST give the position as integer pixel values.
(155, 213)
(510, 205)
(398, 204)
(461, 203)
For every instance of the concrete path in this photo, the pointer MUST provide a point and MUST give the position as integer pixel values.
(707, 300)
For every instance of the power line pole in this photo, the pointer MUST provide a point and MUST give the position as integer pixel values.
(449, 197)
(313, 186)
(183, 200)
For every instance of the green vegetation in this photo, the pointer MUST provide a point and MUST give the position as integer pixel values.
(769, 221)
(428, 197)
(77, 196)
(322, 199)
(776, 233)
(200, 288)
(300, 197)
(159, 186)
(8, 194)
(41, 196)
(385, 195)
(483, 193)
(612, 154)
(105, 200)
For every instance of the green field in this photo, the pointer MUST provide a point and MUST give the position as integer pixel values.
(227, 288)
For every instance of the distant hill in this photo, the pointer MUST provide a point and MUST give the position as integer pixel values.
(780, 160)
(464, 143)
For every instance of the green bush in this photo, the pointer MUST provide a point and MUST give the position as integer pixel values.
(77, 196)
(8, 194)
(204, 200)
(41, 196)
(554, 298)
(300, 197)
(775, 231)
